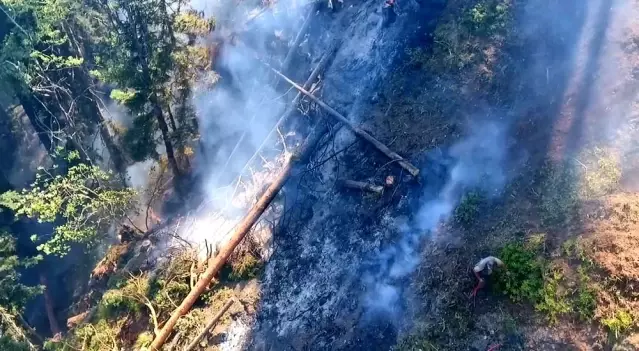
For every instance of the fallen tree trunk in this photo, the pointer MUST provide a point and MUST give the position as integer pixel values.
(210, 325)
(372, 188)
(215, 264)
(414, 171)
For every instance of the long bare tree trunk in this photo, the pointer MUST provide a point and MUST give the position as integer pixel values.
(28, 105)
(164, 128)
(215, 264)
(89, 107)
(48, 306)
(87, 104)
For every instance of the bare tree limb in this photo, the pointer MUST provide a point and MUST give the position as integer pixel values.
(210, 325)
(372, 188)
(414, 171)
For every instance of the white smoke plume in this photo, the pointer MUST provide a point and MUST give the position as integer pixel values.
(477, 163)
(237, 114)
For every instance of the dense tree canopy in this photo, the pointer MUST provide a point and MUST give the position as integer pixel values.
(64, 64)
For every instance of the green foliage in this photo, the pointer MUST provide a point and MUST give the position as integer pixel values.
(53, 61)
(143, 341)
(619, 323)
(117, 301)
(13, 294)
(552, 299)
(29, 50)
(245, 267)
(123, 96)
(469, 36)
(558, 195)
(139, 140)
(468, 209)
(488, 17)
(83, 198)
(601, 174)
(586, 297)
(100, 336)
(191, 23)
(9, 344)
(524, 278)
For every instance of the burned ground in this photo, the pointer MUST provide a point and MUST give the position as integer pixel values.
(558, 77)
(521, 116)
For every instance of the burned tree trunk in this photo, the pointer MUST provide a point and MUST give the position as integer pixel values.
(215, 264)
(48, 304)
(164, 128)
(91, 111)
(28, 105)
(371, 188)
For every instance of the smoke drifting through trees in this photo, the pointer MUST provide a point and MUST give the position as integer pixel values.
(475, 163)
(236, 116)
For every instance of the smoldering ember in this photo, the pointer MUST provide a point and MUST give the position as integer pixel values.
(319, 175)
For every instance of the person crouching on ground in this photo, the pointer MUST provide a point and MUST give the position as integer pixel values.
(483, 269)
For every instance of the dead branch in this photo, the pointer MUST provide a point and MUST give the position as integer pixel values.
(292, 107)
(175, 341)
(210, 325)
(241, 230)
(372, 188)
(298, 38)
(357, 130)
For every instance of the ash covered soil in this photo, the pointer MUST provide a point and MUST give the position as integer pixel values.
(521, 116)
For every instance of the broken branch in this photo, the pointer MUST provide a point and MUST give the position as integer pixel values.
(414, 171)
(298, 38)
(210, 325)
(372, 188)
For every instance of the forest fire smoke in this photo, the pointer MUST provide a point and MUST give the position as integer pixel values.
(475, 163)
(239, 157)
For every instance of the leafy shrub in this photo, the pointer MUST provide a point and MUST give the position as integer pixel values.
(99, 336)
(586, 297)
(620, 322)
(468, 210)
(523, 280)
(601, 175)
(552, 300)
(115, 302)
(143, 341)
(528, 278)
(244, 267)
(86, 198)
(586, 303)
(8, 344)
(489, 16)
(166, 294)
